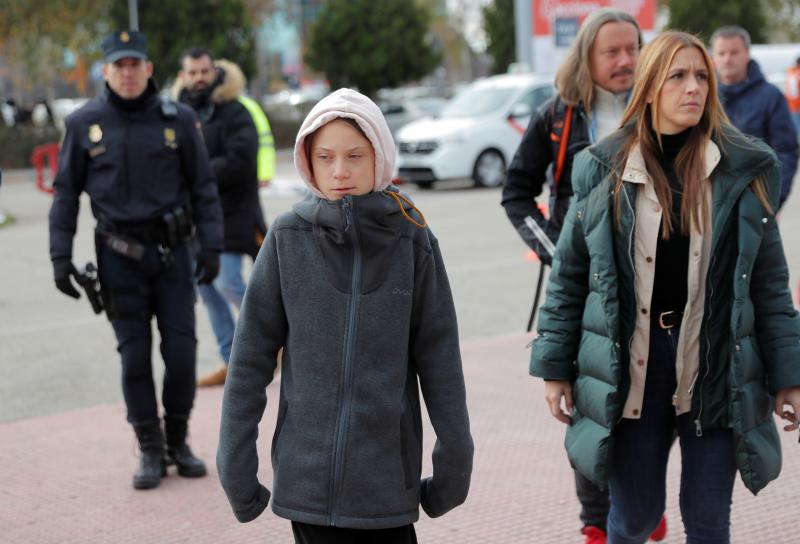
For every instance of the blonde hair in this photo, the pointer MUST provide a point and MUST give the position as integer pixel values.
(574, 77)
(640, 122)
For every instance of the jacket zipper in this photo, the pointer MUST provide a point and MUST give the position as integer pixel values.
(698, 422)
(342, 418)
(633, 266)
(126, 180)
(691, 385)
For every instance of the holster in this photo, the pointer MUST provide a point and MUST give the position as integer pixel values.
(121, 244)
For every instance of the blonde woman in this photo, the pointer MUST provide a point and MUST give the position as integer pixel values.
(668, 307)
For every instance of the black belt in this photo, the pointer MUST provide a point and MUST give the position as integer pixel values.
(170, 230)
(146, 232)
(130, 238)
(666, 319)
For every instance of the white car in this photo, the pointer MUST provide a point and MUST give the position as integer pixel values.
(477, 133)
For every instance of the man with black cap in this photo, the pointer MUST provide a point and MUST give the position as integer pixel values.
(144, 165)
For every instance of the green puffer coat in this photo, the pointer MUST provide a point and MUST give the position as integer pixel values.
(750, 334)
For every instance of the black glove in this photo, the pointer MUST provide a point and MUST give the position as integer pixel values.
(532, 237)
(207, 267)
(63, 269)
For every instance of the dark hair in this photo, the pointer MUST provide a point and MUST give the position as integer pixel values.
(196, 52)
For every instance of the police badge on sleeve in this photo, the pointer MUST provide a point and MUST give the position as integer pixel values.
(96, 136)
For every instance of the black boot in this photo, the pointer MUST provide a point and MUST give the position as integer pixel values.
(152, 465)
(178, 451)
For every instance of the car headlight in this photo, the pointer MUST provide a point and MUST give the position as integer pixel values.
(424, 147)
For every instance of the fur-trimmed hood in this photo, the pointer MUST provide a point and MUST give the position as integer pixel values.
(230, 88)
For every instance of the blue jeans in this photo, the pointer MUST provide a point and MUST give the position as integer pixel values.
(226, 290)
(637, 479)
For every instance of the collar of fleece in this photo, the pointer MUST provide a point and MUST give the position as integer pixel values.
(353, 105)
(380, 220)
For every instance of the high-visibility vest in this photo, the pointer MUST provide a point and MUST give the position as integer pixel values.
(266, 144)
(793, 88)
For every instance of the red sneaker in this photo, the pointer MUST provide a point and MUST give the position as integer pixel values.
(594, 535)
(660, 532)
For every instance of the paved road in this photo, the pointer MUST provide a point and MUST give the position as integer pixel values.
(57, 355)
(66, 454)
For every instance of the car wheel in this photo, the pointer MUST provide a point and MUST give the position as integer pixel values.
(425, 185)
(490, 169)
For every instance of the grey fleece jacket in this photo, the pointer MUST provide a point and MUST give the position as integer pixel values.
(358, 297)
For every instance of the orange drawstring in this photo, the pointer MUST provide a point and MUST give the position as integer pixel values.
(400, 199)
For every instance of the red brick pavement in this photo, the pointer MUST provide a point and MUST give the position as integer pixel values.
(66, 478)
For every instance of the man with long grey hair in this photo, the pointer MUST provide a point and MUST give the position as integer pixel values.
(593, 85)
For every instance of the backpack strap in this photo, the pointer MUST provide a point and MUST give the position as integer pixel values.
(563, 143)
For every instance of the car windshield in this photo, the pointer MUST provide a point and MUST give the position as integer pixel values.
(430, 106)
(475, 102)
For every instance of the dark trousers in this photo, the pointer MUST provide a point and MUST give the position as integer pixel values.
(305, 533)
(637, 479)
(594, 502)
(135, 292)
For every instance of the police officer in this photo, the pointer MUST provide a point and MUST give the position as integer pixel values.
(143, 163)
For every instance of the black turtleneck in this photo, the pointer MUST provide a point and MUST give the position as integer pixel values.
(670, 289)
(132, 104)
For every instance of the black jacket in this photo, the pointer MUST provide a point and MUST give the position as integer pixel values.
(533, 165)
(232, 143)
(136, 163)
(358, 298)
(758, 108)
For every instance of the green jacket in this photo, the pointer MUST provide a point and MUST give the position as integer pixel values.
(750, 335)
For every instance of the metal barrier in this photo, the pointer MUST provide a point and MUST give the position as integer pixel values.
(44, 156)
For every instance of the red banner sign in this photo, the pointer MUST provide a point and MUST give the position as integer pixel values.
(546, 13)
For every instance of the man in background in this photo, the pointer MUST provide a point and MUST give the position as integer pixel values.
(593, 85)
(213, 89)
(754, 106)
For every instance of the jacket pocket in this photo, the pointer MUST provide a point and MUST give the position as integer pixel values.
(104, 171)
(282, 410)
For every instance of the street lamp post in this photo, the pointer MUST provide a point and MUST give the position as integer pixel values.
(133, 15)
(523, 15)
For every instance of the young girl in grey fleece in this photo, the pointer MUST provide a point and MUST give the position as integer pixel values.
(352, 286)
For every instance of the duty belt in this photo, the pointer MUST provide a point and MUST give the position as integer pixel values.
(130, 239)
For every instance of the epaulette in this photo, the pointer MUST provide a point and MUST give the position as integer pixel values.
(169, 110)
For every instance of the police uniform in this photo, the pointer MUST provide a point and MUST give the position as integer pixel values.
(145, 167)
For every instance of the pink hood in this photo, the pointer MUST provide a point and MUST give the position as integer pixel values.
(352, 104)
